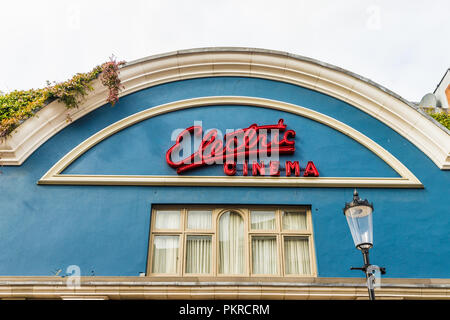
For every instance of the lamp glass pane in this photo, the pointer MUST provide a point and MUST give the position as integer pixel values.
(359, 219)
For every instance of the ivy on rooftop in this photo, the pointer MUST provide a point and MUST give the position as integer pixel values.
(441, 117)
(20, 105)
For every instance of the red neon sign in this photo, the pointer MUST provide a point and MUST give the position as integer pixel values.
(213, 150)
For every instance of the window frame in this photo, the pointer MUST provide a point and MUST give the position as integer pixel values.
(245, 212)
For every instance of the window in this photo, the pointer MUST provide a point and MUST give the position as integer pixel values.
(231, 241)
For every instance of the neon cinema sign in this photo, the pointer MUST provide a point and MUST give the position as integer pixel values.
(240, 148)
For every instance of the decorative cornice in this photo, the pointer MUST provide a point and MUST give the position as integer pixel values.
(375, 100)
(153, 288)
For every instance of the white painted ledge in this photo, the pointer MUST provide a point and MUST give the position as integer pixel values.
(428, 135)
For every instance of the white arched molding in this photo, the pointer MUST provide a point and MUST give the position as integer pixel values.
(413, 124)
(55, 176)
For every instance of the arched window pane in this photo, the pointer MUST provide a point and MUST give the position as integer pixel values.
(231, 244)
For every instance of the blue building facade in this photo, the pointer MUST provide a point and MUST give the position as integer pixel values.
(94, 210)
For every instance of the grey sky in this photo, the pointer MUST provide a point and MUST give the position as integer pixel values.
(403, 45)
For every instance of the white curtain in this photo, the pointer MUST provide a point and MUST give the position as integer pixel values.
(294, 220)
(231, 244)
(165, 254)
(296, 256)
(167, 219)
(264, 255)
(199, 219)
(263, 220)
(198, 254)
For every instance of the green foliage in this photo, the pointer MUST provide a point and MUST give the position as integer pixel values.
(441, 117)
(72, 92)
(17, 106)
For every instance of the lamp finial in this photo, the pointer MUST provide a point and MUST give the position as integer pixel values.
(355, 195)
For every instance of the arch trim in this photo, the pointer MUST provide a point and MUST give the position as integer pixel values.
(55, 176)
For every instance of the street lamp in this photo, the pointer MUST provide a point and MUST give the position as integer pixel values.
(359, 218)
